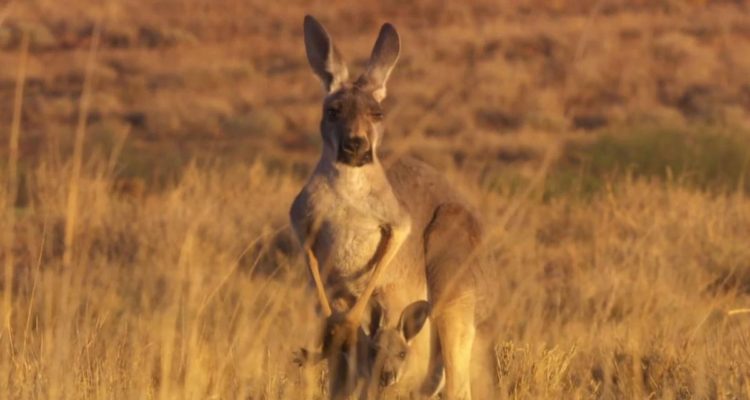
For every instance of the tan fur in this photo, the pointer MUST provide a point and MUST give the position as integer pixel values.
(405, 224)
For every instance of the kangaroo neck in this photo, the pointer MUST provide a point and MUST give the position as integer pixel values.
(358, 186)
(352, 178)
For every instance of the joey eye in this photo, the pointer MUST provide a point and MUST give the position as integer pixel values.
(376, 115)
(402, 355)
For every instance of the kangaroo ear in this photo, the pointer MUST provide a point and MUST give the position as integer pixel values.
(413, 319)
(323, 57)
(383, 58)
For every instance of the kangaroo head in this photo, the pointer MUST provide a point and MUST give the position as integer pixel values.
(390, 347)
(370, 352)
(352, 120)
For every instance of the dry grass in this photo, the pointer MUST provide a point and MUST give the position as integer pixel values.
(170, 278)
(230, 78)
(199, 292)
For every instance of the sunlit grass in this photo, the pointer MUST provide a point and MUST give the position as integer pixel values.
(198, 292)
(620, 269)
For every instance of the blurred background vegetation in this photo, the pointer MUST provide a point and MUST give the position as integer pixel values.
(488, 85)
(606, 144)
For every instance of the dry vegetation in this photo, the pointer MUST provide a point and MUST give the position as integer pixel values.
(164, 266)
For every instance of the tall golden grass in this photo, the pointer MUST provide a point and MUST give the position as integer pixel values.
(199, 292)
(195, 289)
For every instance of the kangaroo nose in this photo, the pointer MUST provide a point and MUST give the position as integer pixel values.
(387, 378)
(355, 144)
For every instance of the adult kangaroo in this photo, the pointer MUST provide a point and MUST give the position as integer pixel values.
(380, 240)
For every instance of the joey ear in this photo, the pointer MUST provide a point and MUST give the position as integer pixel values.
(376, 319)
(323, 56)
(382, 60)
(413, 319)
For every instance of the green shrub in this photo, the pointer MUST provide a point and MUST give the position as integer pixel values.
(713, 159)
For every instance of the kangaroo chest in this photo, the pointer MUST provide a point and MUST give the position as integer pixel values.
(346, 243)
(351, 213)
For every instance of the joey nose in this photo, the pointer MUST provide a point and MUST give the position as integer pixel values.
(387, 378)
(355, 145)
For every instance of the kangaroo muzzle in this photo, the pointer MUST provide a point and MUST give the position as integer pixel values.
(355, 151)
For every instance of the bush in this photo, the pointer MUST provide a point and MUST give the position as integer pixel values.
(712, 159)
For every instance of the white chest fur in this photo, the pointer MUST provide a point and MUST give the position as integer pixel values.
(352, 204)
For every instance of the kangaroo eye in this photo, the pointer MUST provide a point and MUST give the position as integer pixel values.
(376, 115)
(332, 113)
(402, 355)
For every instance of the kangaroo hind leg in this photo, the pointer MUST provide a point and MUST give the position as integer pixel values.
(450, 241)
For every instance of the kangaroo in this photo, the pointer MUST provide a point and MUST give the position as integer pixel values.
(379, 242)
(383, 354)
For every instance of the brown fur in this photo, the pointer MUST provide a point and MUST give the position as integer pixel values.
(400, 235)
